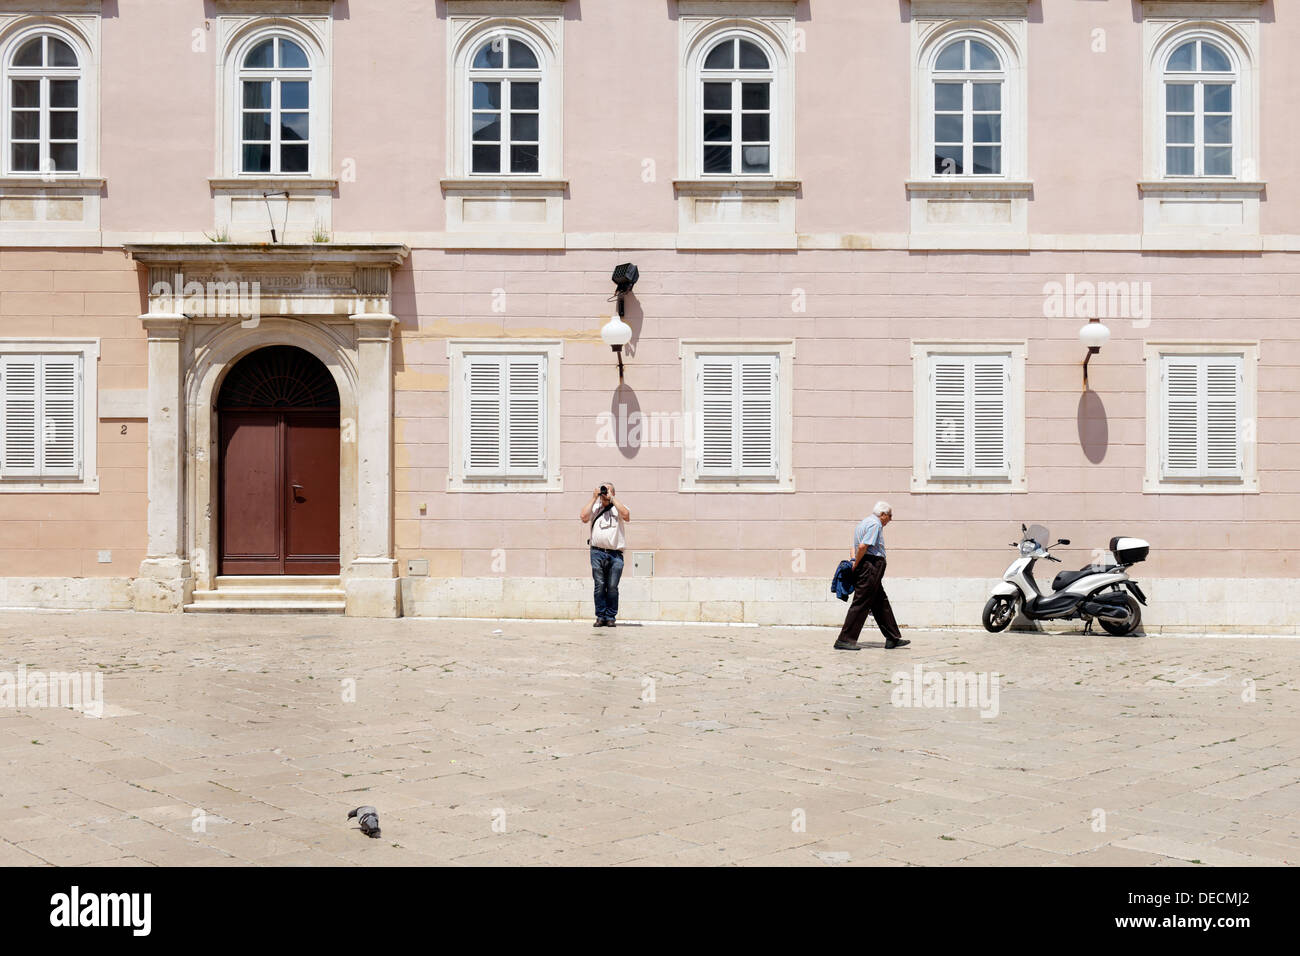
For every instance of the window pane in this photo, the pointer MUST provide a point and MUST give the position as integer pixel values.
(987, 160)
(755, 159)
(521, 57)
(261, 57)
(257, 96)
(257, 159)
(949, 128)
(523, 96)
(755, 96)
(947, 96)
(752, 57)
(1180, 160)
(1218, 129)
(1180, 97)
(1184, 58)
(986, 96)
(1214, 60)
(523, 159)
(488, 56)
(754, 128)
(487, 96)
(487, 159)
(983, 58)
(294, 96)
(524, 127)
(294, 159)
(947, 160)
(722, 56)
(487, 127)
(1218, 98)
(26, 124)
(63, 93)
(63, 156)
(257, 127)
(292, 56)
(26, 93)
(1179, 129)
(26, 157)
(294, 128)
(717, 127)
(986, 128)
(61, 54)
(717, 159)
(1218, 160)
(32, 53)
(717, 96)
(63, 125)
(953, 56)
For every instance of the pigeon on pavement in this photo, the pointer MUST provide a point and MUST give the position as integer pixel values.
(368, 817)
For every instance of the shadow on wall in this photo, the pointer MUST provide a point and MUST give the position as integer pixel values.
(625, 411)
(1094, 430)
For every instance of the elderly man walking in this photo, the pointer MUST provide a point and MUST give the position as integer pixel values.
(868, 588)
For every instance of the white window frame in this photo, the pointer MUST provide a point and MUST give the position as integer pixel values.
(458, 351)
(783, 352)
(775, 36)
(237, 36)
(1154, 480)
(924, 354)
(544, 36)
(88, 352)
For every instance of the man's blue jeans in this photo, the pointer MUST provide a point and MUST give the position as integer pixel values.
(606, 569)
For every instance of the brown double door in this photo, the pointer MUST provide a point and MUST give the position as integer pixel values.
(279, 492)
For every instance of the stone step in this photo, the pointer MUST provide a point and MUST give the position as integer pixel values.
(295, 581)
(272, 594)
(267, 607)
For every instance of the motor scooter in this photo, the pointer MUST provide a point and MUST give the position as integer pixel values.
(1100, 591)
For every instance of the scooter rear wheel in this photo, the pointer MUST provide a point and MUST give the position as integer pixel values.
(1128, 626)
(998, 613)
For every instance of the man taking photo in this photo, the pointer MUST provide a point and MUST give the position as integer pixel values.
(607, 517)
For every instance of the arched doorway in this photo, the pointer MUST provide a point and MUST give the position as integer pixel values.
(278, 469)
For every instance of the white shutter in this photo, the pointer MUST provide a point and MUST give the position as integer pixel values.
(716, 380)
(20, 384)
(526, 415)
(60, 437)
(757, 415)
(484, 415)
(969, 416)
(1201, 416)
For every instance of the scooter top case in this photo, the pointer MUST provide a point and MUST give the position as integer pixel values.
(1129, 550)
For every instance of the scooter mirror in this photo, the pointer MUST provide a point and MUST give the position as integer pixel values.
(1063, 541)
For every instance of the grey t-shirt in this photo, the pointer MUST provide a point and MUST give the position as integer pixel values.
(871, 532)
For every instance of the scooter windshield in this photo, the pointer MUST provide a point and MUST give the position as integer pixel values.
(1039, 535)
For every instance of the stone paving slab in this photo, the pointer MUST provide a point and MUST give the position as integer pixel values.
(244, 740)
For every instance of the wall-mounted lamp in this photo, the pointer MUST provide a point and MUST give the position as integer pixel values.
(616, 333)
(1093, 335)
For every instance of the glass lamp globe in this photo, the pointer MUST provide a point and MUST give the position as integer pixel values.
(616, 333)
(1094, 335)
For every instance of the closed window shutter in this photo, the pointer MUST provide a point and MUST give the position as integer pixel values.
(60, 438)
(525, 415)
(969, 416)
(20, 381)
(1201, 417)
(717, 427)
(484, 415)
(757, 418)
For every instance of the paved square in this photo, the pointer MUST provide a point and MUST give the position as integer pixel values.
(227, 740)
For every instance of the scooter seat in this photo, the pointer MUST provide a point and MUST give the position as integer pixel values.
(1066, 578)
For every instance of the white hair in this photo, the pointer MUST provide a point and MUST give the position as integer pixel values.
(882, 508)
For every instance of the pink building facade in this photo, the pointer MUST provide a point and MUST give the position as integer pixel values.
(380, 236)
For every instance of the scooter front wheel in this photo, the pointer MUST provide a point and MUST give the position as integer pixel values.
(998, 612)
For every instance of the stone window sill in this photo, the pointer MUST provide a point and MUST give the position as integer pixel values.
(953, 184)
(503, 183)
(1200, 186)
(712, 187)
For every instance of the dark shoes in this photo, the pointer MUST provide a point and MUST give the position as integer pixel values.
(847, 646)
(609, 622)
(890, 645)
(604, 622)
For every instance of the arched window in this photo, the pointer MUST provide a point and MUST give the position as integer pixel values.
(1200, 84)
(968, 80)
(44, 105)
(505, 112)
(736, 81)
(275, 108)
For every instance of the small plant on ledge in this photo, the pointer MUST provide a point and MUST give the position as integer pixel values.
(219, 235)
(320, 233)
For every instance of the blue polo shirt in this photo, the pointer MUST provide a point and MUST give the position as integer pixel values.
(871, 532)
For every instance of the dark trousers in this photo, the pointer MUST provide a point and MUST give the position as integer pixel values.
(606, 569)
(869, 595)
